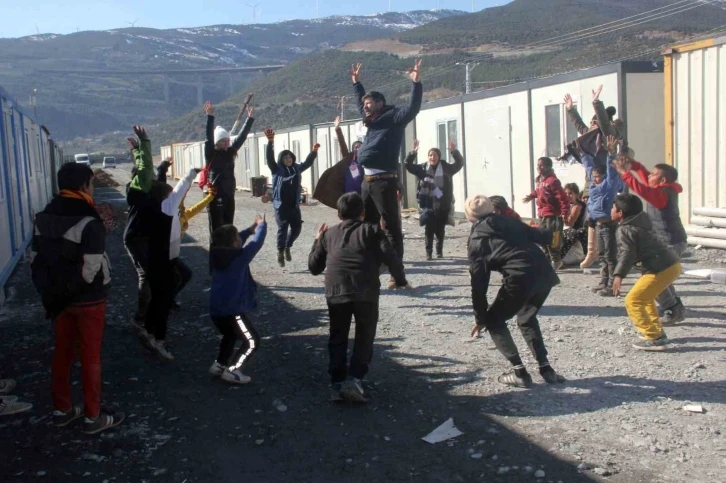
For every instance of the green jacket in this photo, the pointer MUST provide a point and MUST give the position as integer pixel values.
(145, 167)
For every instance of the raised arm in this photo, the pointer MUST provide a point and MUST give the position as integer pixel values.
(410, 162)
(270, 151)
(603, 120)
(258, 239)
(405, 115)
(209, 143)
(170, 205)
(453, 168)
(193, 211)
(342, 144)
(144, 161)
(237, 144)
(310, 159)
(161, 171)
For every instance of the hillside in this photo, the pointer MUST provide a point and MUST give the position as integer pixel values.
(309, 90)
(84, 103)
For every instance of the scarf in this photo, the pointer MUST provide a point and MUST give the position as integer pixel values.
(77, 195)
(434, 179)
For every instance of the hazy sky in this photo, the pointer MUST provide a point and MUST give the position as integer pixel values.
(20, 17)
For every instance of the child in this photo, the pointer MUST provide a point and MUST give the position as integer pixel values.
(286, 190)
(501, 207)
(575, 231)
(233, 294)
(639, 243)
(552, 205)
(660, 191)
(503, 244)
(603, 188)
(71, 271)
(219, 155)
(353, 252)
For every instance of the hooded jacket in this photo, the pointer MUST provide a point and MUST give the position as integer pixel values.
(351, 253)
(286, 180)
(233, 289)
(502, 244)
(425, 170)
(550, 197)
(638, 243)
(137, 194)
(69, 264)
(661, 204)
(381, 147)
(221, 162)
(602, 195)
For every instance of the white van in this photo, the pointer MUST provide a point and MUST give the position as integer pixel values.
(83, 159)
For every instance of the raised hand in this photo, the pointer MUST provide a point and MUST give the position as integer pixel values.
(596, 93)
(209, 108)
(452, 144)
(140, 132)
(568, 102)
(250, 111)
(622, 164)
(259, 219)
(170, 161)
(316, 146)
(415, 73)
(415, 146)
(355, 72)
(337, 122)
(321, 229)
(270, 133)
(612, 144)
(133, 142)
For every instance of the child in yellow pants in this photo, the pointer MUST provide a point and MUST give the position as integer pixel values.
(637, 243)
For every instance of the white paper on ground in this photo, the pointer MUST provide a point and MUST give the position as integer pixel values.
(693, 408)
(700, 272)
(446, 431)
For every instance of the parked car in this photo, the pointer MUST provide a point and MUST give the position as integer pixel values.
(109, 162)
(83, 159)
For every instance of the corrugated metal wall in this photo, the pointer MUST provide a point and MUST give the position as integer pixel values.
(699, 126)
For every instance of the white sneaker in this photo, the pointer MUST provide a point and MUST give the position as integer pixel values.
(235, 377)
(217, 369)
(161, 350)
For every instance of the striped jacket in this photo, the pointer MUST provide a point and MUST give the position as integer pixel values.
(69, 264)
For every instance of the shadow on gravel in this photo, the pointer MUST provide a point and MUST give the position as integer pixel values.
(186, 426)
(597, 393)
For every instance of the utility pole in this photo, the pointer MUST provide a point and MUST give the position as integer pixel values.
(342, 108)
(33, 103)
(467, 80)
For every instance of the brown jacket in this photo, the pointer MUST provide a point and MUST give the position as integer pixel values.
(331, 185)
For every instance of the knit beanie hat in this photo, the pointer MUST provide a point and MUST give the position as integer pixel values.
(219, 134)
(477, 206)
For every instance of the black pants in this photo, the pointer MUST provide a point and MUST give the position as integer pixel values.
(607, 250)
(182, 275)
(220, 212)
(436, 227)
(161, 277)
(366, 322)
(510, 301)
(289, 225)
(138, 251)
(234, 328)
(381, 205)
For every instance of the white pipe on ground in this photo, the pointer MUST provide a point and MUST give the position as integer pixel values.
(706, 211)
(705, 221)
(707, 242)
(698, 231)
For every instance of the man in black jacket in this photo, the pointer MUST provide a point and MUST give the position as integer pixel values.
(380, 152)
(503, 244)
(71, 272)
(352, 251)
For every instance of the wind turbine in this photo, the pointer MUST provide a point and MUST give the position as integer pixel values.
(133, 24)
(254, 9)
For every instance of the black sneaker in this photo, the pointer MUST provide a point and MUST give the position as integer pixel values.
(281, 258)
(439, 254)
(288, 255)
(429, 257)
(352, 390)
(674, 315)
(102, 423)
(335, 395)
(512, 380)
(656, 345)
(61, 419)
(602, 286)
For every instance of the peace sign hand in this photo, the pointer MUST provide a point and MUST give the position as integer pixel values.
(355, 72)
(415, 73)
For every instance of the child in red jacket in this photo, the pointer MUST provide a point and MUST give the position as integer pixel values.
(501, 207)
(552, 205)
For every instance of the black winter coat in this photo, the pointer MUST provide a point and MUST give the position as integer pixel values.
(503, 244)
(381, 147)
(221, 163)
(638, 243)
(424, 170)
(351, 254)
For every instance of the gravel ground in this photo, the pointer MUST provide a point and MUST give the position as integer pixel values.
(619, 418)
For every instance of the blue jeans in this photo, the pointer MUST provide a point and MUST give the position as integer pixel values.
(289, 225)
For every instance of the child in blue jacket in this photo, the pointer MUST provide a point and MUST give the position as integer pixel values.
(233, 294)
(605, 185)
(286, 191)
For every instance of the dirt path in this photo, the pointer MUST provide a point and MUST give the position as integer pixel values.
(620, 417)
